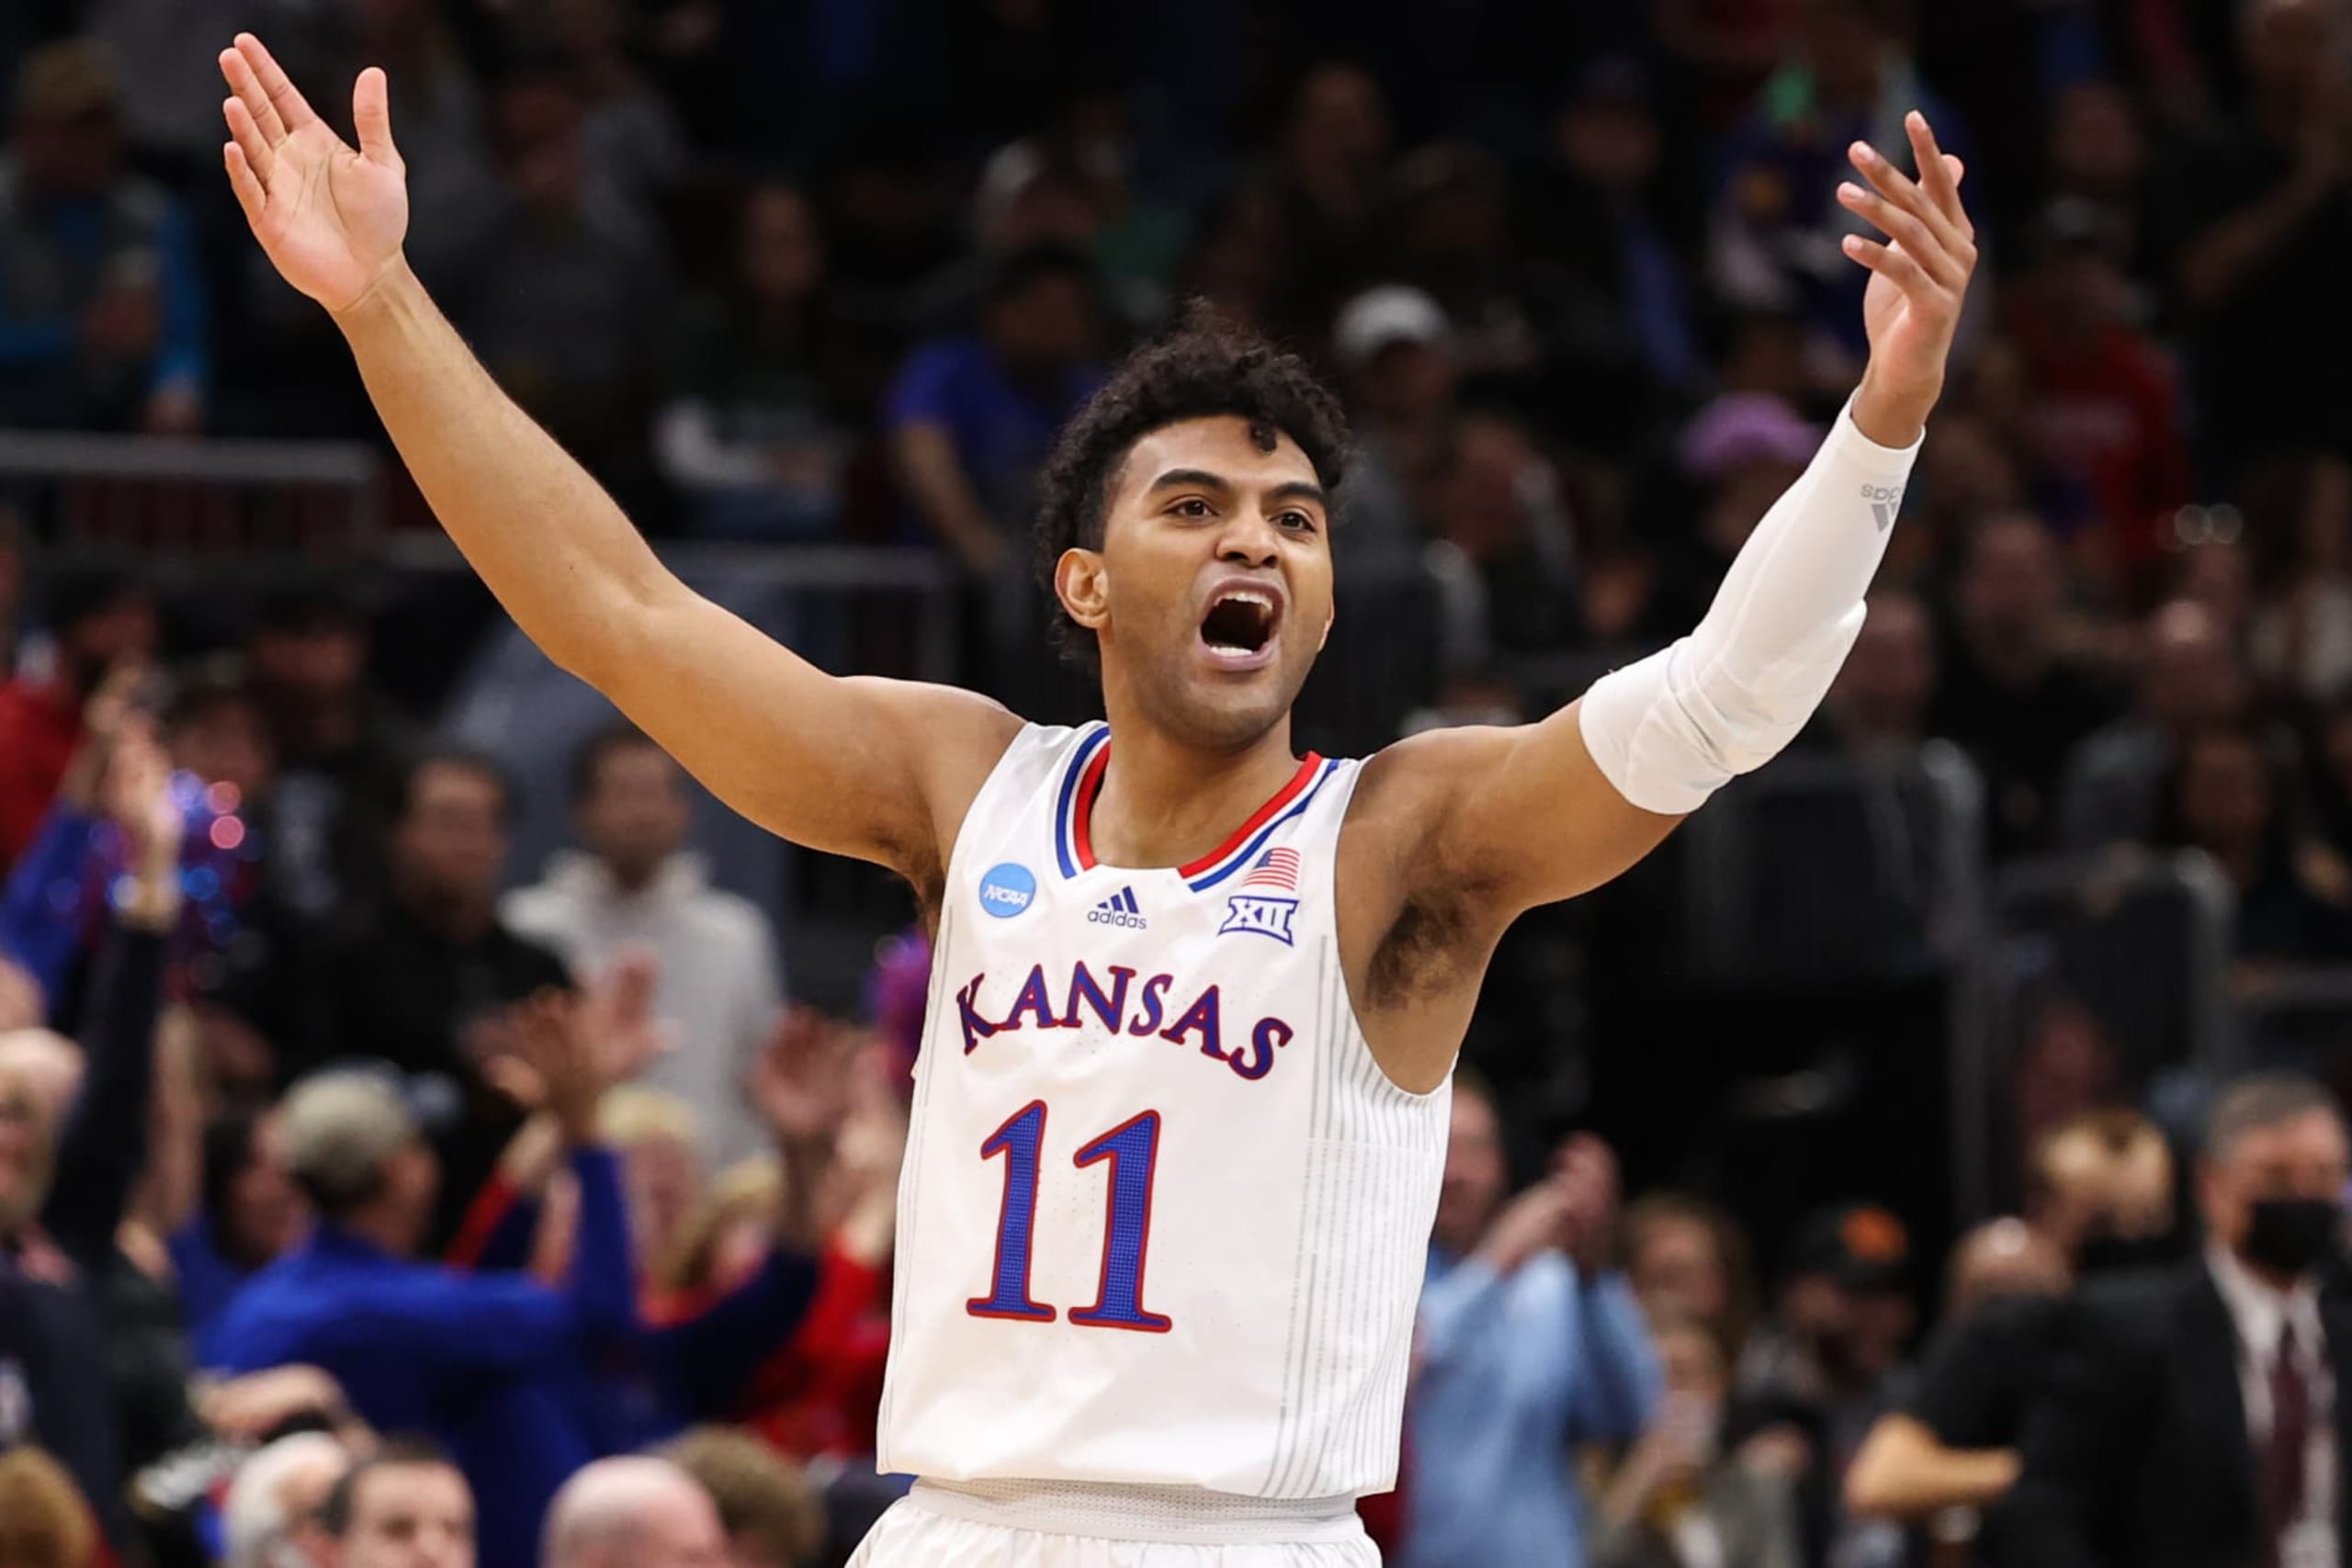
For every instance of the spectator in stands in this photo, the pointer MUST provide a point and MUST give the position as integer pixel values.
(102, 305)
(2254, 216)
(1499, 506)
(405, 1505)
(485, 1363)
(636, 888)
(764, 385)
(2096, 157)
(98, 621)
(1529, 1344)
(1333, 160)
(1777, 221)
(342, 754)
(771, 1517)
(2104, 402)
(1732, 462)
(1600, 211)
(2191, 1421)
(1394, 348)
(271, 1516)
(1829, 1364)
(1453, 238)
(1688, 1259)
(634, 147)
(2000, 1258)
(1681, 1500)
(2227, 796)
(635, 1513)
(2100, 1201)
(418, 982)
(2190, 680)
(250, 1213)
(563, 296)
(2300, 505)
(1879, 703)
(44, 1522)
(970, 419)
(2011, 696)
(65, 1186)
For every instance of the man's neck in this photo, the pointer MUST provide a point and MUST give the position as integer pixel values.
(381, 1229)
(1164, 803)
(630, 878)
(455, 920)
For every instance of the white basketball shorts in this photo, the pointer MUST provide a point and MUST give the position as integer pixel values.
(1059, 1525)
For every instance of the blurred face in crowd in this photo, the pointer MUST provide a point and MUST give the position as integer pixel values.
(1406, 382)
(1496, 472)
(450, 843)
(268, 1213)
(1048, 326)
(663, 1175)
(1476, 1174)
(24, 1152)
(2290, 49)
(2004, 1257)
(635, 814)
(1854, 1334)
(2192, 677)
(20, 998)
(2225, 802)
(50, 1067)
(408, 1515)
(783, 260)
(1195, 509)
(316, 665)
(1692, 1364)
(76, 151)
(538, 124)
(2011, 590)
(2304, 1158)
(1610, 141)
(2101, 1184)
(122, 632)
(679, 1527)
(1885, 687)
(412, 1182)
(225, 739)
(1677, 1270)
(1845, 46)
(2095, 144)
(1338, 125)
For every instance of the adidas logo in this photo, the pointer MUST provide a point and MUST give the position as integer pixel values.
(1121, 910)
(1886, 502)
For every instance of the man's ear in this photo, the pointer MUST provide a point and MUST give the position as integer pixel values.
(1329, 615)
(1083, 583)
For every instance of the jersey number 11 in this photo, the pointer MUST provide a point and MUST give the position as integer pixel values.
(1132, 1149)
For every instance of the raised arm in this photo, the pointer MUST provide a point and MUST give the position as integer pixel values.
(1525, 817)
(877, 769)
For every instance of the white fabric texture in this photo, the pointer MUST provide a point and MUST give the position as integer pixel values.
(1669, 730)
(936, 1528)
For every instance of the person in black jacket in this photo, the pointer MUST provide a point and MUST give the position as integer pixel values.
(2194, 1420)
(64, 1192)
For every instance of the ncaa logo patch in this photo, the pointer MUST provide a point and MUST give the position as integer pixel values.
(1008, 888)
(1253, 912)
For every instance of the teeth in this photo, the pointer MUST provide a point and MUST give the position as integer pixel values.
(1247, 596)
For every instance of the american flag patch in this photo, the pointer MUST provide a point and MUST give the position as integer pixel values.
(1275, 868)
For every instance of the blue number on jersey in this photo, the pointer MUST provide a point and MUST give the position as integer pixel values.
(1017, 1140)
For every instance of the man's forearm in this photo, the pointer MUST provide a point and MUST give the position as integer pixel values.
(543, 534)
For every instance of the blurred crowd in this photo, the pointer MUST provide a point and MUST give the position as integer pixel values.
(367, 1201)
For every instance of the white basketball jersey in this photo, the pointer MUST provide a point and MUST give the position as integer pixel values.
(1163, 1219)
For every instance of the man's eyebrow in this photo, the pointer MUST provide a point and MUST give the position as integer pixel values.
(1299, 490)
(1183, 479)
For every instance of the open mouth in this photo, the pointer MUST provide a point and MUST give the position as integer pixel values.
(1239, 627)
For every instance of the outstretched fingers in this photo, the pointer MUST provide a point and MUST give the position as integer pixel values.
(260, 155)
(1939, 172)
(293, 110)
(244, 182)
(1899, 268)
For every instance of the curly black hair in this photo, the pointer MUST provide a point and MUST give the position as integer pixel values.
(1206, 367)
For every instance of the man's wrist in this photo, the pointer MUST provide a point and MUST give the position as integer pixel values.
(1892, 417)
(395, 289)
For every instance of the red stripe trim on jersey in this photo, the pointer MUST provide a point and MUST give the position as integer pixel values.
(1090, 783)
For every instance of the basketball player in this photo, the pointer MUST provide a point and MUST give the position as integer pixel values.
(1181, 1106)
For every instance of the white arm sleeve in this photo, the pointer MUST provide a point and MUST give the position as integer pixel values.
(1671, 731)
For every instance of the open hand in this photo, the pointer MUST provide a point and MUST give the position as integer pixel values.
(1918, 277)
(803, 1080)
(329, 218)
